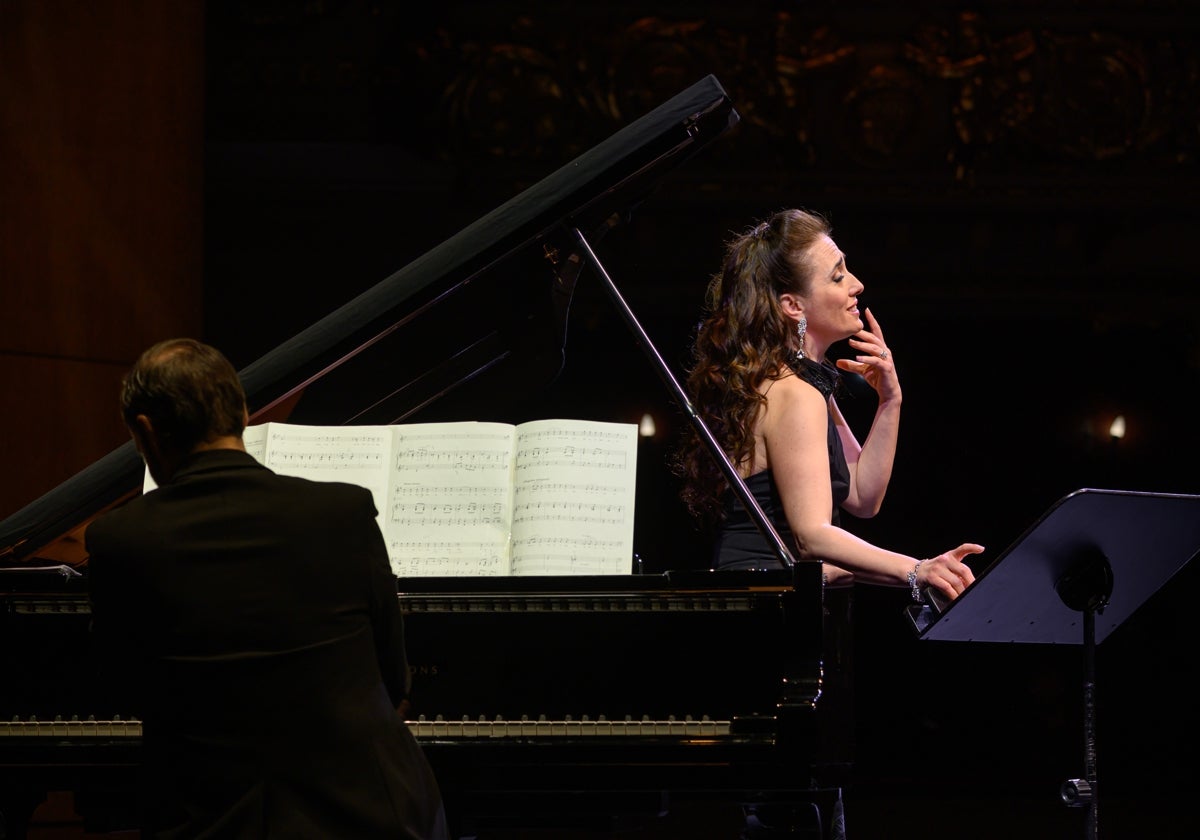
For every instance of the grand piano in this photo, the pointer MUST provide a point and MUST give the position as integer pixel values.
(542, 702)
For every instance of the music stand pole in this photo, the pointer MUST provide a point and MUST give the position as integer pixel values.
(1086, 587)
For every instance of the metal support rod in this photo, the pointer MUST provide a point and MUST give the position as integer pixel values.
(735, 481)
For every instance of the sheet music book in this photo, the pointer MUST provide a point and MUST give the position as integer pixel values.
(546, 497)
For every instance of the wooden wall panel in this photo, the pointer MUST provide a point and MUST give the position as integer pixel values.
(101, 209)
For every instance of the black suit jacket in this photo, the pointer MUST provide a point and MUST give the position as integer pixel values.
(252, 621)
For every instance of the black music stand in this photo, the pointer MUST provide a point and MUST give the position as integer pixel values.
(1074, 577)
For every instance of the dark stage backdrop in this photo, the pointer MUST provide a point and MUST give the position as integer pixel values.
(1014, 182)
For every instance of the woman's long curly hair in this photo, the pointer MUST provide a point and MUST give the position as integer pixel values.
(743, 340)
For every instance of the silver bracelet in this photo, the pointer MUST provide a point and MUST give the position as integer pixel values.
(912, 582)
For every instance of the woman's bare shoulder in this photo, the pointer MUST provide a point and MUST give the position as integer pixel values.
(789, 387)
(793, 403)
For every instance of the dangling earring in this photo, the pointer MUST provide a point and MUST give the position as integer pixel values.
(801, 327)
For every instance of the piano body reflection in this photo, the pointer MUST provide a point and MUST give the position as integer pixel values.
(540, 701)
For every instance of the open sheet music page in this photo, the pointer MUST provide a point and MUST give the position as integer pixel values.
(353, 454)
(254, 438)
(574, 487)
(547, 497)
(450, 508)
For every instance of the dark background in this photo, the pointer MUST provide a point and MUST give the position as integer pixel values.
(1014, 182)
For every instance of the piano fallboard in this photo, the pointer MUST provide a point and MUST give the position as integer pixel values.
(632, 655)
(675, 646)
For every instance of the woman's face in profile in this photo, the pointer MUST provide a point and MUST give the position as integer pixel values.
(831, 305)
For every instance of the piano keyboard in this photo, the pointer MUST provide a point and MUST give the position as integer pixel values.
(422, 727)
(72, 728)
(568, 728)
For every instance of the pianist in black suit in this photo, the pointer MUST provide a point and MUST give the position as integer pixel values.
(760, 379)
(252, 619)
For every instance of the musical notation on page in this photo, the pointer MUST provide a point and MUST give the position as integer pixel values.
(477, 498)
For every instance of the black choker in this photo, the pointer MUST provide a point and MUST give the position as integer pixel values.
(821, 375)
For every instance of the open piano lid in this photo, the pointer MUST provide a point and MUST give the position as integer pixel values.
(486, 308)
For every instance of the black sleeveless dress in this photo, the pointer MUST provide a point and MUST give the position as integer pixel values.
(739, 544)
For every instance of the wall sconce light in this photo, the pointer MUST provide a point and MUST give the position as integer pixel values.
(1116, 429)
(646, 427)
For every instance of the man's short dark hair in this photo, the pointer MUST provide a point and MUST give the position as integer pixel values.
(189, 390)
